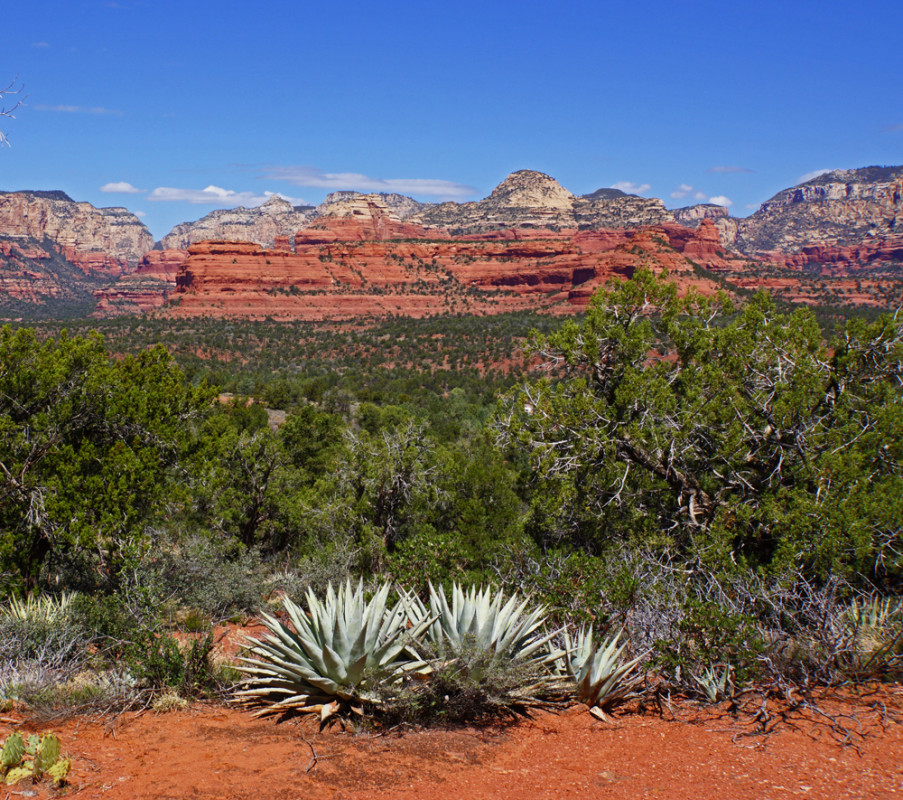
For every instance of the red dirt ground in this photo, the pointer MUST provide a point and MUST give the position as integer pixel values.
(214, 752)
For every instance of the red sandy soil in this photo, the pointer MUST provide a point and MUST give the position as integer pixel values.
(217, 752)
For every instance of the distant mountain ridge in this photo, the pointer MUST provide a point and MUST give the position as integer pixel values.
(530, 199)
(80, 229)
(837, 222)
(839, 208)
(263, 224)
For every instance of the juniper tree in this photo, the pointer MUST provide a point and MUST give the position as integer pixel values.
(734, 435)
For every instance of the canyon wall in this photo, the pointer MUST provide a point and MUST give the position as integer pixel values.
(110, 240)
(841, 208)
(277, 217)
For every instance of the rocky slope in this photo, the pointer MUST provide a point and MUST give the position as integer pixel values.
(529, 199)
(349, 216)
(55, 252)
(399, 205)
(691, 216)
(276, 217)
(841, 208)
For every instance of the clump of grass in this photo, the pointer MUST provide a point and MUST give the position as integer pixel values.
(167, 702)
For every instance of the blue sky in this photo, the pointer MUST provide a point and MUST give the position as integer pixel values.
(172, 109)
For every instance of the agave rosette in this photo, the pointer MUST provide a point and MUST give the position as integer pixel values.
(483, 630)
(601, 679)
(45, 609)
(332, 653)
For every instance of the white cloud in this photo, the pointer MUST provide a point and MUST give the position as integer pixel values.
(685, 190)
(631, 188)
(40, 44)
(357, 182)
(215, 196)
(728, 170)
(121, 187)
(79, 109)
(140, 214)
(721, 200)
(810, 175)
(893, 128)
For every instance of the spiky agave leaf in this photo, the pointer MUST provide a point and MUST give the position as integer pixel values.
(330, 652)
(600, 679)
(715, 684)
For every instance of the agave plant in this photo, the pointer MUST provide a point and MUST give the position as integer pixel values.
(602, 680)
(483, 621)
(875, 636)
(46, 610)
(716, 685)
(333, 653)
(875, 613)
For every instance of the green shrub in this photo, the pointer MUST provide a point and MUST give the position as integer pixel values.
(210, 577)
(160, 662)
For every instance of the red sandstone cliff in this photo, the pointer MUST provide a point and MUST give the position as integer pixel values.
(146, 289)
(56, 252)
(366, 262)
(110, 240)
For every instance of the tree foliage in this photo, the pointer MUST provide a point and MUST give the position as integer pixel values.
(736, 435)
(85, 444)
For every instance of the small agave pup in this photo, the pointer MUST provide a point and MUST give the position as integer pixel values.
(334, 654)
(601, 682)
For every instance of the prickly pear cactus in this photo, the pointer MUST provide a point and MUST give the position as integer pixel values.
(33, 758)
(12, 752)
(47, 753)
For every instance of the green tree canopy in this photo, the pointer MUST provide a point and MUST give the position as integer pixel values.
(733, 435)
(86, 443)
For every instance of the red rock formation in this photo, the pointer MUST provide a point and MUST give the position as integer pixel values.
(840, 260)
(162, 264)
(146, 289)
(23, 274)
(94, 239)
(369, 263)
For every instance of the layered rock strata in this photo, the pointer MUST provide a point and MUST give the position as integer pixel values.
(357, 264)
(103, 240)
(691, 216)
(146, 289)
(277, 217)
(399, 205)
(529, 199)
(841, 208)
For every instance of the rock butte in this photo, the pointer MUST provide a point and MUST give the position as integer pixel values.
(371, 264)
